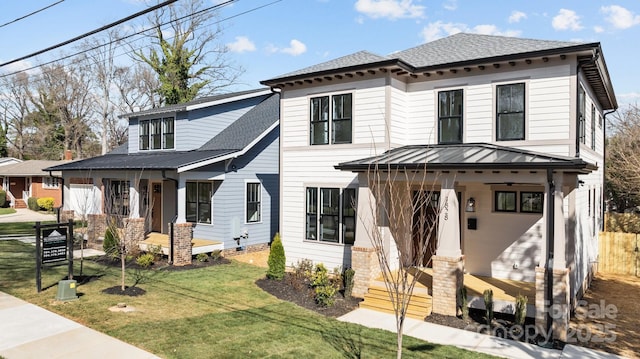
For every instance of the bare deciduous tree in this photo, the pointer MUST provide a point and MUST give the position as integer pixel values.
(623, 159)
(15, 108)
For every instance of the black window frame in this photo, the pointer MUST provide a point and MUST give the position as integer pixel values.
(505, 113)
(593, 127)
(327, 114)
(582, 109)
(330, 214)
(118, 196)
(538, 194)
(200, 201)
(157, 134)
(497, 206)
(444, 113)
(253, 202)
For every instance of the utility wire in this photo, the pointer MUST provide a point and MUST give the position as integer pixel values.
(148, 10)
(124, 43)
(32, 13)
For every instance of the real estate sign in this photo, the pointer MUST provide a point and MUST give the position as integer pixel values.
(54, 244)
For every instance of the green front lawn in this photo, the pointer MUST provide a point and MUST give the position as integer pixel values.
(6, 211)
(215, 311)
(20, 227)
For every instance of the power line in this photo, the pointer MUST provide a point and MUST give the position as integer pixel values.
(30, 14)
(155, 7)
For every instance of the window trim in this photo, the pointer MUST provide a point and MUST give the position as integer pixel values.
(524, 111)
(124, 197)
(496, 202)
(522, 193)
(316, 211)
(330, 135)
(49, 182)
(246, 201)
(146, 140)
(593, 126)
(459, 117)
(198, 203)
(581, 113)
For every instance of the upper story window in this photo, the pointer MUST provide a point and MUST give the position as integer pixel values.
(331, 117)
(593, 127)
(157, 133)
(582, 109)
(51, 182)
(450, 116)
(510, 112)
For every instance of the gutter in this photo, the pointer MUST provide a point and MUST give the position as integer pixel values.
(593, 59)
(548, 298)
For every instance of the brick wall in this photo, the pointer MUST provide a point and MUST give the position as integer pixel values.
(448, 278)
(561, 309)
(364, 261)
(66, 215)
(182, 236)
(133, 233)
(230, 252)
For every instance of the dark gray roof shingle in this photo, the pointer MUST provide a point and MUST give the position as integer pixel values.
(355, 59)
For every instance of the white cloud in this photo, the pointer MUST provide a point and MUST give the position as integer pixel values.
(516, 16)
(566, 20)
(391, 9)
(242, 44)
(598, 29)
(620, 17)
(439, 29)
(450, 5)
(18, 66)
(295, 48)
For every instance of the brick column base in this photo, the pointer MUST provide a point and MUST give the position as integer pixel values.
(96, 227)
(364, 261)
(182, 236)
(560, 311)
(66, 216)
(448, 278)
(133, 233)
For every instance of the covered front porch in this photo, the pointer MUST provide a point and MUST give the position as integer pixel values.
(497, 223)
(164, 242)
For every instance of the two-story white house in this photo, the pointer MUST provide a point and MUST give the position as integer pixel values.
(510, 131)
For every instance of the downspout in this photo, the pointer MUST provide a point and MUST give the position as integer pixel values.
(550, 244)
(604, 164)
(173, 220)
(61, 194)
(593, 59)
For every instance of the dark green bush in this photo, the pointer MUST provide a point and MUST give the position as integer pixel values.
(110, 243)
(488, 305)
(3, 198)
(277, 260)
(347, 277)
(32, 203)
(145, 260)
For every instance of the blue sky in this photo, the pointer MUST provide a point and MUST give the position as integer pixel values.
(273, 37)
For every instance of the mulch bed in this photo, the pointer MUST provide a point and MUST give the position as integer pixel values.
(160, 263)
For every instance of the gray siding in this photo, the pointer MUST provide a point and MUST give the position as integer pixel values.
(261, 164)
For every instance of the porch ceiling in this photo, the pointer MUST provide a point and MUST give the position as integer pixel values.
(468, 156)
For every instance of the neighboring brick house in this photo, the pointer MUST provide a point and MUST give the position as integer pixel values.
(26, 179)
(512, 127)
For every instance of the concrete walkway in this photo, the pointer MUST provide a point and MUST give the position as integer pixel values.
(28, 331)
(439, 334)
(26, 215)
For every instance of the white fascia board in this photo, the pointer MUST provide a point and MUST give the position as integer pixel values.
(230, 155)
(229, 99)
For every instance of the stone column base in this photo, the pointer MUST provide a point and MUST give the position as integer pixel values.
(561, 306)
(448, 278)
(182, 236)
(96, 227)
(364, 261)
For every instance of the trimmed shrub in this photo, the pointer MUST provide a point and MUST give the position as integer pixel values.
(347, 277)
(463, 302)
(46, 203)
(110, 244)
(276, 260)
(202, 257)
(324, 288)
(216, 255)
(145, 260)
(521, 309)
(32, 203)
(488, 304)
(3, 198)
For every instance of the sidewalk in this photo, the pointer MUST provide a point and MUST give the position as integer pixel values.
(26, 215)
(439, 334)
(28, 331)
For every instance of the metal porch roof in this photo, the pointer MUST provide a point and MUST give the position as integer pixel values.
(467, 156)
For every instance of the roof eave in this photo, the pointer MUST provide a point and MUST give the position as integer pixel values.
(580, 166)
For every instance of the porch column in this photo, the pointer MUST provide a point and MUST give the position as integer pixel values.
(448, 262)
(364, 259)
(556, 270)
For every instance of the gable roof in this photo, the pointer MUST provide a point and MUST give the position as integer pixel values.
(466, 156)
(233, 141)
(463, 49)
(30, 168)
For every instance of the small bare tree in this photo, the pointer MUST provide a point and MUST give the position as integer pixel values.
(623, 159)
(404, 202)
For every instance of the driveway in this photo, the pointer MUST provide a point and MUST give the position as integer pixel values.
(26, 215)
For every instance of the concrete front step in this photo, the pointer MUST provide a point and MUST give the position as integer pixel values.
(378, 299)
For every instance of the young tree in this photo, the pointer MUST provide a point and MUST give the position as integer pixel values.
(187, 55)
(404, 203)
(623, 159)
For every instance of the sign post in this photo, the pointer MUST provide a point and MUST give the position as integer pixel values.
(54, 243)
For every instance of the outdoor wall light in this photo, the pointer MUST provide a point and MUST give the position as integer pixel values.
(471, 205)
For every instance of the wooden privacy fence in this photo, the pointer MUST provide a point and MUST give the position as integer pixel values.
(619, 253)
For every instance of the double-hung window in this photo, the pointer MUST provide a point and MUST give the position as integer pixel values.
(253, 198)
(331, 119)
(51, 182)
(198, 202)
(593, 127)
(330, 214)
(450, 116)
(510, 112)
(157, 134)
(582, 109)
